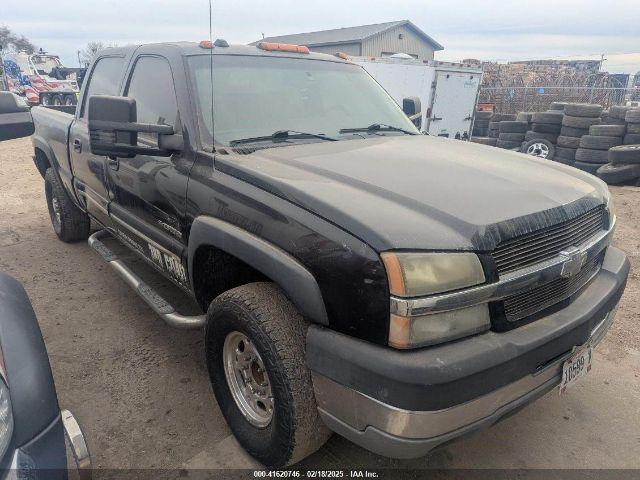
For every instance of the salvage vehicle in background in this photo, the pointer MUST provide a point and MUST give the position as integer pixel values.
(32, 427)
(40, 77)
(399, 289)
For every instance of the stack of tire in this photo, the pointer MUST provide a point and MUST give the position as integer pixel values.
(511, 134)
(494, 124)
(623, 166)
(632, 120)
(576, 123)
(540, 140)
(481, 124)
(624, 161)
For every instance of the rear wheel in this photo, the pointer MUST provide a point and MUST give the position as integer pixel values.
(69, 222)
(255, 344)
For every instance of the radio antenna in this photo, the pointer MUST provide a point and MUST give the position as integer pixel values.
(211, 72)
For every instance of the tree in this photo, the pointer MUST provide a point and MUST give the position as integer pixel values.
(91, 49)
(13, 41)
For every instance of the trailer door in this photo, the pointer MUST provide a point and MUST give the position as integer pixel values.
(453, 103)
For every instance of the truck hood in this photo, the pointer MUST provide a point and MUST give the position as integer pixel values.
(420, 192)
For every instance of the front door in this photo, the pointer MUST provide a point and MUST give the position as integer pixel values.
(89, 170)
(147, 192)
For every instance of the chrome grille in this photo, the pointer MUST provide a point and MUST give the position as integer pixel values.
(547, 243)
(529, 303)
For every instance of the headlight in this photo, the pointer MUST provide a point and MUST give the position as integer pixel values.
(6, 418)
(419, 274)
(416, 274)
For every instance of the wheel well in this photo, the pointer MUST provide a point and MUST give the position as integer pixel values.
(42, 161)
(215, 271)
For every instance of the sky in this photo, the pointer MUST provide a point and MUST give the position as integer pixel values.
(483, 29)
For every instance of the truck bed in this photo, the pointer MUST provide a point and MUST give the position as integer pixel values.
(52, 130)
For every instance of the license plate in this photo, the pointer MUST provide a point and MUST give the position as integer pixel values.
(576, 367)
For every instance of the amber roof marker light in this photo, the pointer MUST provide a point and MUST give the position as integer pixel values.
(282, 47)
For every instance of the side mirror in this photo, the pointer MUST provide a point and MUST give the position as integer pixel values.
(15, 117)
(412, 107)
(113, 129)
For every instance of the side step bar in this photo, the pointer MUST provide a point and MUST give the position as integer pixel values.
(148, 294)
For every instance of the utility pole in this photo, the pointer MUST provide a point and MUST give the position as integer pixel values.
(602, 60)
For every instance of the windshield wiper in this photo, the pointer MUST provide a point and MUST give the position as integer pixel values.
(377, 127)
(282, 135)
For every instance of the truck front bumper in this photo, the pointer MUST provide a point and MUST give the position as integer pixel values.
(402, 404)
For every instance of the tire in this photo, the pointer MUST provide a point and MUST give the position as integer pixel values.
(574, 132)
(546, 128)
(591, 168)
(484, 141)
(69, 222)
(503, 117)
(513, 127)
(568, 142)
(547, 117)
(585, 155)
(57, 100)
(261, 317)
(580, 122)
(508, 145)
(608, 130)
(565, 154)
(633, 128)
(624, 154)
(70, 100)
(494, 126)
(559, 106)
(583, 110)
(512, 137)
(524, 117)
(632, 139)
(632, 116)
(531, 135)
(483, 115)
(539, 147)
(617, 174)
(593, 142)
(619, 111)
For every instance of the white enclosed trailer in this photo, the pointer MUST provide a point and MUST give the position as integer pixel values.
(447, 91)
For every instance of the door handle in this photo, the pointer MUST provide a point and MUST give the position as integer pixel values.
(436, 118)
(77, 145)
(113, 163)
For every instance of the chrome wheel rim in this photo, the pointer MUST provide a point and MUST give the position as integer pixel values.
(538, 150)
(247, 379)
(57, 212)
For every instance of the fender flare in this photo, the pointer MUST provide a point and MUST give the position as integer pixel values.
(297, 282)
(40, 144)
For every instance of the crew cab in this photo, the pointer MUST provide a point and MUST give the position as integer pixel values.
(354, 275)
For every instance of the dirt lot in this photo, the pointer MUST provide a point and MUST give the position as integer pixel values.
(141, 392)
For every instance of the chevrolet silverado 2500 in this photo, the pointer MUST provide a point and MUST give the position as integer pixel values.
(357, 277)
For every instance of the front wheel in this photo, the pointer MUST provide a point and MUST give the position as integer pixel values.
(255, 343)
(69, 222)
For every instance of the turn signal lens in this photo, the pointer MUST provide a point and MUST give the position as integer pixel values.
(415, 274)
(425, 330)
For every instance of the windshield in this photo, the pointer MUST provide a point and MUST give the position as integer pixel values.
(257, 96)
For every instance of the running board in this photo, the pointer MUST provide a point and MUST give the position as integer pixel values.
(148, 294)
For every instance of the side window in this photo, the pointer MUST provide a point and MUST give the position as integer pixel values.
(151, 84)
(104, 79)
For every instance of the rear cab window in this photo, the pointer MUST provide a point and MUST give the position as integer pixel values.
(104, 80)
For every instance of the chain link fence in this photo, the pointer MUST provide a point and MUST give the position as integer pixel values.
(539, 98)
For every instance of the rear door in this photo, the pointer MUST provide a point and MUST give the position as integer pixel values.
(89, 170)
(453, 104)
(148, 193)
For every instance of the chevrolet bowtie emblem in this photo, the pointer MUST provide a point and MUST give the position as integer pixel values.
(575, 260)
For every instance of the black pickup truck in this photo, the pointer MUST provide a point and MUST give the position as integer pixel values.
(357, 277)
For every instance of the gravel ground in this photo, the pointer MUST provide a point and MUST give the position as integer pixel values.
(141, 392)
